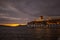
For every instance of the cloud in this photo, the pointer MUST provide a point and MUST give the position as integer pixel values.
(26, 10)
(1, 14)
(6, 19)
(10, 18)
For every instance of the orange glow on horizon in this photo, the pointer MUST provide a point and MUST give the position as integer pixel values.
(13, 25)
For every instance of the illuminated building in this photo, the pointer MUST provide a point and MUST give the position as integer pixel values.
(44, 22)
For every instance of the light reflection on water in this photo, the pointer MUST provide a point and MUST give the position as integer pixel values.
(47, 33)
(29, 33)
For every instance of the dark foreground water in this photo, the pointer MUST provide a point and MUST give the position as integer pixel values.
(28, 33)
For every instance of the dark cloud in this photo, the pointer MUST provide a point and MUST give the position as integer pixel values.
(29, 9)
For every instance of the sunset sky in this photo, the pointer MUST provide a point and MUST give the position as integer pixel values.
(22, 11)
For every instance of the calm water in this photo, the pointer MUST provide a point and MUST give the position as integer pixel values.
(28, 33)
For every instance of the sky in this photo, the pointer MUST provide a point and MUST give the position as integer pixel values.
(23, 11)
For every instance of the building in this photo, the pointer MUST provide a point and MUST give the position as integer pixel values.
(51, 27)
(43, 22)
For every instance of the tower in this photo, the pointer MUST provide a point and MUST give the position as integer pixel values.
(41, 18)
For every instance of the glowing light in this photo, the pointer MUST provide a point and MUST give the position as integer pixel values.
(12, 25)
(23, 24)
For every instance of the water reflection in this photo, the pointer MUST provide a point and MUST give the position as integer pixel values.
(50, 32)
